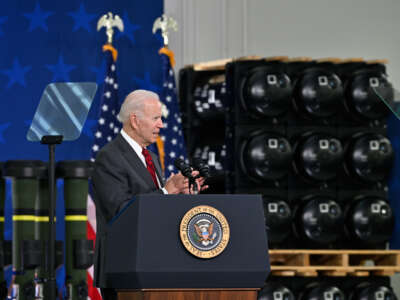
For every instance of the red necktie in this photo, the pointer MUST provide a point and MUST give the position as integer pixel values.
(150, 166)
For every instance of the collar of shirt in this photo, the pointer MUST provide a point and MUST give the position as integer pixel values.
(135, 146)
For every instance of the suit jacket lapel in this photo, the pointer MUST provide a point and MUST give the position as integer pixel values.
(134, 160)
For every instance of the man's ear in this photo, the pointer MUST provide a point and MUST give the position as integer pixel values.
(133, 119)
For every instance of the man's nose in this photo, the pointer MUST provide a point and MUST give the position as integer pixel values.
(161, 124)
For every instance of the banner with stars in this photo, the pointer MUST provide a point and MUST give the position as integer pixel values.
(47, 41)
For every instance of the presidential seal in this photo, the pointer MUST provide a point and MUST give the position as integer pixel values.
(204, 231)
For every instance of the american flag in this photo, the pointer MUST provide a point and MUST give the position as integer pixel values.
(173, 144)
(108, 127)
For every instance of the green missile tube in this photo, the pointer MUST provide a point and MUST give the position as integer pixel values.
(3, 287)
(79, 251)
(26, 251)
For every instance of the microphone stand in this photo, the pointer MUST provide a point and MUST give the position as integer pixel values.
(192, 182)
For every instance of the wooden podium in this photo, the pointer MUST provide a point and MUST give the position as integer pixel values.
(146, 259)
(188, 294)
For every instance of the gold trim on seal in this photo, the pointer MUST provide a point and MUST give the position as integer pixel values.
(183, 230)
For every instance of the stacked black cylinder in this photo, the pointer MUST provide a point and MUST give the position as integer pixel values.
(311, 137)
(203, 116)
(327, 288)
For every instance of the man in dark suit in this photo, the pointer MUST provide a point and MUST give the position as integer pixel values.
(124, 168)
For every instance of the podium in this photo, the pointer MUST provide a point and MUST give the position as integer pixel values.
(146, 258)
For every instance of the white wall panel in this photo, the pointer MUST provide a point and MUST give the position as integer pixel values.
(208, 29)
(208, 25)
(236, 27)
(213, 29)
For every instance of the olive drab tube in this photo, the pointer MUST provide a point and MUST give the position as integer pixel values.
(79, 250)
(3, 286)
(26, 250)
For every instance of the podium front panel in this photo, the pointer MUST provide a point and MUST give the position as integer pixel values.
(144, 249)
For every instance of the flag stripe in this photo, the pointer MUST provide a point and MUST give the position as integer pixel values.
(107, 128)
(91, 233)
(94, 293)
(173, 144)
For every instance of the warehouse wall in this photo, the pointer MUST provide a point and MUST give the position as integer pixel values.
(214, 29)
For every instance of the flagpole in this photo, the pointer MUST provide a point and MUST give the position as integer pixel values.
(104, 133)
(170, 144)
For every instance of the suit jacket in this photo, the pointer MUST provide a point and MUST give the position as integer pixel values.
(118, 175)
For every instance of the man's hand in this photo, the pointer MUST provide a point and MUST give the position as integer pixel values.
(176, 184)
(199, 182)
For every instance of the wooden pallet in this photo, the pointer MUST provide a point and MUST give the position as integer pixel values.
(334, 262)
(220, 64)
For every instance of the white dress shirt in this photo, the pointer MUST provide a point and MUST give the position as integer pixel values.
(138, 149)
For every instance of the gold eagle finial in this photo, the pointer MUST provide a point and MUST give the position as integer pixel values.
(164, 23)
(109, 21)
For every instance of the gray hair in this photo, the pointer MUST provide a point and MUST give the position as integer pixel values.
(134, 103)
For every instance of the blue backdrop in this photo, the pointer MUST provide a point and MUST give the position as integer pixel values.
(55, 41)
(47, 41)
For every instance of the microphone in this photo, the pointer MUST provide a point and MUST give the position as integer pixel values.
(185, 169)
(202, 167)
